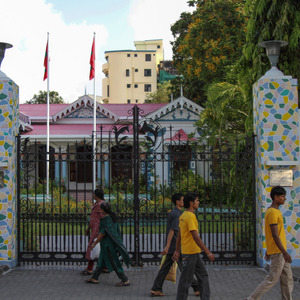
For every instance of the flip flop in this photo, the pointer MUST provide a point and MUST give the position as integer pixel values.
(122, 283)
(85, 272)
(91, 280)
(157, 293)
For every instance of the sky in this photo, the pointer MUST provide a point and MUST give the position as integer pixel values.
(71, 25)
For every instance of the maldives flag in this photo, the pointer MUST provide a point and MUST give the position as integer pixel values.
(46, 63)
(92, 61)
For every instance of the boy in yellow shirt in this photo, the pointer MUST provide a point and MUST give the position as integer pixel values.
(276, 250)
(191, 245)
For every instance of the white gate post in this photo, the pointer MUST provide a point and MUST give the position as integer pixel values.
(276, 126)
(9, 128)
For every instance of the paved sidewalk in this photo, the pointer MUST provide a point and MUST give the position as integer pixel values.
(64, 282)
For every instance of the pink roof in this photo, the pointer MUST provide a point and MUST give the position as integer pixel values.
(181, 136)
(121, 110)
(40, 110)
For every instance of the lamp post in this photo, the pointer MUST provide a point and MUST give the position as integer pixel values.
(273, 52)
(3, 47)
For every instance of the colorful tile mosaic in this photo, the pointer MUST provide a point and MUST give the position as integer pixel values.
(276, 122)
(9, 124)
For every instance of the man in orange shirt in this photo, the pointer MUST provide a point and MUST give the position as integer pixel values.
(191, 245)
(276, 250)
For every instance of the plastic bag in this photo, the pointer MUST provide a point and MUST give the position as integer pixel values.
(95, 252)
(171, 276)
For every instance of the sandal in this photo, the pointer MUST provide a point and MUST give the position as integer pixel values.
(105, 270)
(86, 272)
(91, 280)
(123, 283)
(197, 293)
(157, 293)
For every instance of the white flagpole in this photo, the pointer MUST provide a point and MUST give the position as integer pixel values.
(95, 120)
(48, 118)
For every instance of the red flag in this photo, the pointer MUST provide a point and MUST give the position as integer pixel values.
(92, 61)
(46, 63)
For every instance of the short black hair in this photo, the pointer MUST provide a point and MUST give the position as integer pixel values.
(188, 198)
(175, 197)
(99, 194)
(277, 191)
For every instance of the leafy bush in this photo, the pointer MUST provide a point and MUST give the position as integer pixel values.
(125, 206)
(58, 204)
(40, 187)
(124, 185)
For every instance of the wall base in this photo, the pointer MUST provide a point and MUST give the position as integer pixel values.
(11, 263)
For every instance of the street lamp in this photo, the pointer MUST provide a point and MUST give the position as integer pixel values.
(3, 47)
(273, 52)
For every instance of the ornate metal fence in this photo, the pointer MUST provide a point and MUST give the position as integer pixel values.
(139, 165)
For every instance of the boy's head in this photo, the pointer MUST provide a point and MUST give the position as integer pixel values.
(99, 194)
(176, 197)
(189, 197)
(277, 191)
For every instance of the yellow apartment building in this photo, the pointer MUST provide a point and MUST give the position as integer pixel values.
(131, 74)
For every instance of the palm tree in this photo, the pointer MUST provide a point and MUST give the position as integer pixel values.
(226, 112)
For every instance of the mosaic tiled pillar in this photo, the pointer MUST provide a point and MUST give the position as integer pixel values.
(276, 125)
(9, 124)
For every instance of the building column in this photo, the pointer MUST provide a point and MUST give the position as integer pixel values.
(64, 172)
(57, 171)
(106, 172)
(99, 173)
(276, 126)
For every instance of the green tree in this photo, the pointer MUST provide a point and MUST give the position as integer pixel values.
(41, 98)
(269, 20)
(207, 43)
(272, 20)
(161, 95)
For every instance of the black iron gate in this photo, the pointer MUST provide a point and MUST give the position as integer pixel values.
(139, 164)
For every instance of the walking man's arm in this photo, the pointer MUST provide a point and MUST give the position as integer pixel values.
(277, 240)
(169, 239)
(200, 243)
(176, 254)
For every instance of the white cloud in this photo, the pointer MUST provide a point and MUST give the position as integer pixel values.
(25, 25)
(152, 19)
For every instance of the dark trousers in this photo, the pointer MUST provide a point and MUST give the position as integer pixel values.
(163, 272)
(193, 264)
(99, 270)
